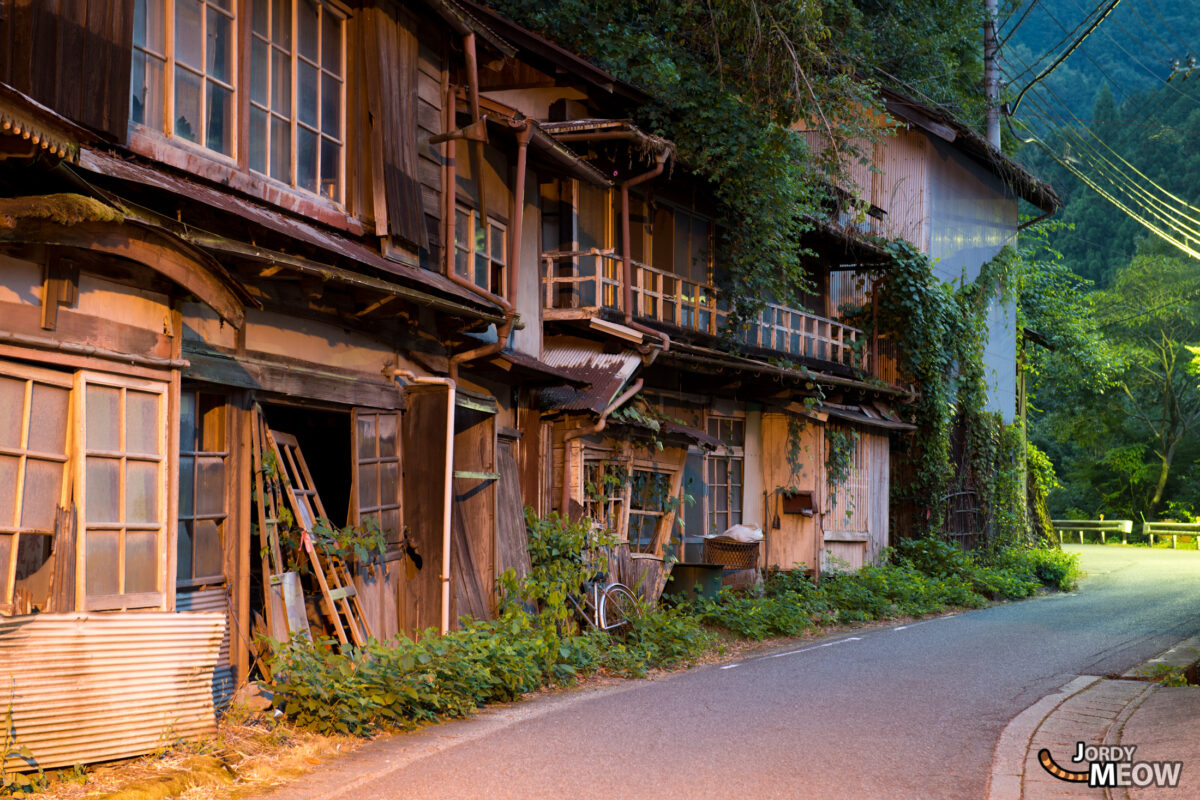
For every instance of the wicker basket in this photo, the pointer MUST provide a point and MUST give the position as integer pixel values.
(731, 555)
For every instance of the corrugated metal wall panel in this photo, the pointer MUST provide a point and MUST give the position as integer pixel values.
(900, 186)
(96, 687)
(215, 599)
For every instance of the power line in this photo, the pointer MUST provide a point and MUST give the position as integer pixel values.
(1187, 48)
(1065, 54)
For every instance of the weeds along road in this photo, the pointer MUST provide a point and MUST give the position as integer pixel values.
(909, 711)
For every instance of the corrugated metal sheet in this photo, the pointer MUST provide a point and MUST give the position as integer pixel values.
(605, 373)
(900, 186)
(96, 687)
(216, 599)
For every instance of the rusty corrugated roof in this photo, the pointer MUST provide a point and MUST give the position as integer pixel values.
(605, 374)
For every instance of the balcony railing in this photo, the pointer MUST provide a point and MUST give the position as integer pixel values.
(581, 284)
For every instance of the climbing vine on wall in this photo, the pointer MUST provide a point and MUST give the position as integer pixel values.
(941, 331)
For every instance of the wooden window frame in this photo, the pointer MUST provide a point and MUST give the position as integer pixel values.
(170, 65)
(122, 600)
(395, 550)
(31, 376)
(292, 118)
(855, 490)
(497, 283)
(730, 454)
(636, 545)
(187, 451)
(607, 509)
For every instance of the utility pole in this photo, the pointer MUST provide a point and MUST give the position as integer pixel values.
(991, 74)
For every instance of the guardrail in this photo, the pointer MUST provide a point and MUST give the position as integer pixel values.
(1172, 529)
(1101, 526)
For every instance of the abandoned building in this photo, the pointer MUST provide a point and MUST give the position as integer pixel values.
(280, 267)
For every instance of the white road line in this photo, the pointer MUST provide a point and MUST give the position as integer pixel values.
(730, 666)
(814, 647)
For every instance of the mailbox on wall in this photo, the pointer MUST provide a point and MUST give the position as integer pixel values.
(798, 503)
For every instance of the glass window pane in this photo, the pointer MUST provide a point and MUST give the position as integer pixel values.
(735, 470)
(101, 551)
(461, 260)
(481, 272)
(368, 486)
(33, 551)
(183, 560)
(210, 486)
(187, 485)
(103, 484)
(6, 541)
(43, 488)
(152, 108)
(281, 150)
(220, 46)
(387, 435)
(187, 422)
(306, 159)
(258, 140)
(219, 133)
(141, 561)
(281, 82)
(389, 523)
(497, 249)
(259, 17)
(366, 435)
(331, 42)
(141, 491)
(137, 89)
(187, 105)
(331, 106)
(389, 486)
(12, 411)
(103, 418)
(141, 423)
(208, 549)
(306, 97)
(260, 72)
(281, 23)
(331, 169)
(462, 228)
(308, 27)
(189, 46)
(8, 491)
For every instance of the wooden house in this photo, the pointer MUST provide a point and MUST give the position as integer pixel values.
(265, 263)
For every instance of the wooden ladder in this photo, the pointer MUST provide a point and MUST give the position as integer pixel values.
(332, 574)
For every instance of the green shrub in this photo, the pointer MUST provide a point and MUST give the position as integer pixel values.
(1050, 566)
(658, 637)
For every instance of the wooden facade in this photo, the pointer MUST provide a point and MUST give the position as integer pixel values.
(204, 291)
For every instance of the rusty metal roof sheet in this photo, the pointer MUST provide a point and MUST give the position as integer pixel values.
(96, 687)
(330, 243)
(605, 374)
(528, 365)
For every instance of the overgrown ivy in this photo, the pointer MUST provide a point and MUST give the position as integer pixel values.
(941, 331)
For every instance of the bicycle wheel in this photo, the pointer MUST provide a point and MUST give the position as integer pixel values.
(617, 604)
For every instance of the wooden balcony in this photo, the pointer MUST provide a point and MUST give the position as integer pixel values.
(578, 285)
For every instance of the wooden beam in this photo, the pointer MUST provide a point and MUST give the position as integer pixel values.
(173, 258)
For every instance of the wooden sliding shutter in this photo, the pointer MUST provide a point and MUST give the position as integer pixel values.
(391, 52)
(377, 474)
(34, 410)
(74, 56)
(122, 477)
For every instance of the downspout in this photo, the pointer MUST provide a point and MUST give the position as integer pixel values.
(588, 431)
(627, 258)
(450, 208)
(472, 60)
(524, 135)
(448, 493)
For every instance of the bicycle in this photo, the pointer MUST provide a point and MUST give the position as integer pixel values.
(605, 605)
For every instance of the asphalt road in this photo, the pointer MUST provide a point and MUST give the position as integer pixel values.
(897, 712)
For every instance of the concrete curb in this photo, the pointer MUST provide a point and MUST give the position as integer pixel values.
(1008, 759)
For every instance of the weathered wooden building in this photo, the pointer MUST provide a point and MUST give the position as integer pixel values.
(269, 261)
